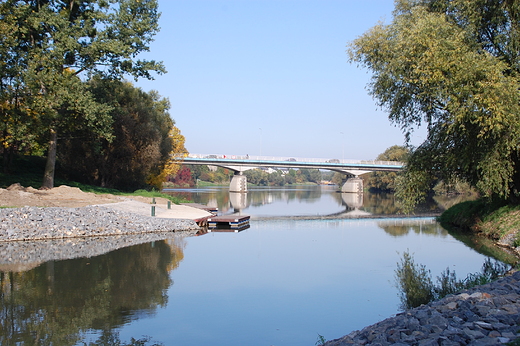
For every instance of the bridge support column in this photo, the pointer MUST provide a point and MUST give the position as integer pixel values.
(353, 185)
(238, 183)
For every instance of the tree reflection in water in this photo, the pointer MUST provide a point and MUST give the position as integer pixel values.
(372, 203)
(111, 338)
(58, 302)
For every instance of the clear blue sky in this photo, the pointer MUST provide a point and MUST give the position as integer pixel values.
(271, 77)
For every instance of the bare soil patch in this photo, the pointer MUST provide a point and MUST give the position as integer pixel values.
(63, 196)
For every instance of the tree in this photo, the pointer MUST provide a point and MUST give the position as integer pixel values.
(183, 177)
(14, 122)
(452, 66)
(385, 181)
(290, 178)
(144, 140)
(257, 177)
(199, 172)
(55, 43)
(276, 179)
(174, 163)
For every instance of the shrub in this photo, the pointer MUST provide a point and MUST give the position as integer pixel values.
(414, 282)
(416, 286)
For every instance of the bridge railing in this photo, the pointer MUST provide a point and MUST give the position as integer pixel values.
(292, 159)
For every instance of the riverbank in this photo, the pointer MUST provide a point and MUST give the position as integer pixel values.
(484, 315)
(494, 220)
(33, 223)
(64, 223)
(66, 212)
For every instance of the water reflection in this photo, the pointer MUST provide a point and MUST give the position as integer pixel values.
(279, 282)
(58, 301)
(24, 255)
(230, 202)
(293, 201)
(403, 227)
(238, 201)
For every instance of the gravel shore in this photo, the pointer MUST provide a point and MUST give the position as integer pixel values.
(484, 315)
(33, 223)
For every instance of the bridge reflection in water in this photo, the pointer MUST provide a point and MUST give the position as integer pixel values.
(353, 202)
(321, 201)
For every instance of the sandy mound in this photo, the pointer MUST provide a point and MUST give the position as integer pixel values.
(62, 196)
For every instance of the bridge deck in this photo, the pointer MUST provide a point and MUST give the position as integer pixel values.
(280, 162)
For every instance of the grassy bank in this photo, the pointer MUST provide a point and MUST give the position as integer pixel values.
(495, 220)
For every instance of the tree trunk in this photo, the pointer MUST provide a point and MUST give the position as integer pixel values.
(514, 194)
(48, 175)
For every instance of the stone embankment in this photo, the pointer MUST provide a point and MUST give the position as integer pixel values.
(30, 236)
(483, 315)
(32, 223)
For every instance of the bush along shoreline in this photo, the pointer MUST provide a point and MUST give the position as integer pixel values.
(480, 309)
(482, 315)
(416, 286)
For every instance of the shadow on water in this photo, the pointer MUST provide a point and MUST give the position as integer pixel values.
(57, 302)
(24, 255)
(485, 246)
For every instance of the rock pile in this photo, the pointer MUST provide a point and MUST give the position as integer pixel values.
(32, 223)
(484, 315)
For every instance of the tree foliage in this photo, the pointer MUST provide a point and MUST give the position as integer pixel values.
(385, 181)
(144, 143)
(453, 67)
(49, 47)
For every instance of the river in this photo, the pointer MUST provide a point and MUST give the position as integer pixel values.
(303, 268)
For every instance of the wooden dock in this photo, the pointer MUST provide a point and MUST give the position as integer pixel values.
(228, 230)
(231, 222)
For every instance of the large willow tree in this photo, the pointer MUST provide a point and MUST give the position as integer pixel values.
(50, 47)
(452, 66)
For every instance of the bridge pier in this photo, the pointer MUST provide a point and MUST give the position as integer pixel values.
(353, 185)
(238, 183)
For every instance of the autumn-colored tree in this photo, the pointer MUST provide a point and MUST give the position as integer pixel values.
(183, 177)
(174, 162)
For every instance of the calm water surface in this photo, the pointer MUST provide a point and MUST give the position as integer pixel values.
(280, 282)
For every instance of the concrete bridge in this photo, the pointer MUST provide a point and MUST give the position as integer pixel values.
(238, 164)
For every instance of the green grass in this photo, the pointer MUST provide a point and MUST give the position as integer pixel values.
(492, 218)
